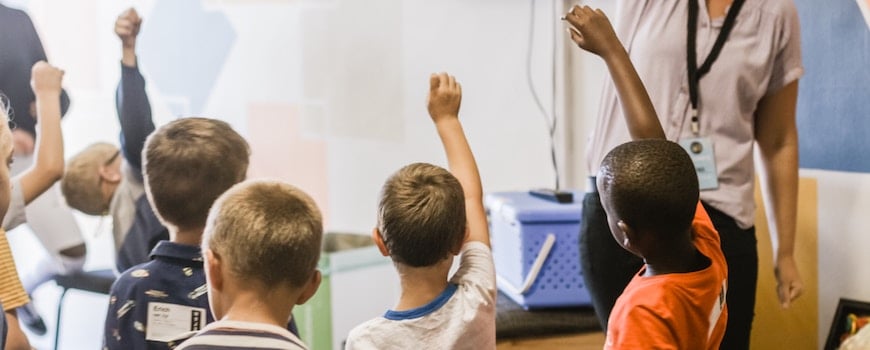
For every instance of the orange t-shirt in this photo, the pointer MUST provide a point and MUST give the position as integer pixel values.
(676, 310)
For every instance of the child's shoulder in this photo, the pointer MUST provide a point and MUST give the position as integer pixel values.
(231, 334)
(133, 277)
(370, 334)
(476, 271)
(173, 268)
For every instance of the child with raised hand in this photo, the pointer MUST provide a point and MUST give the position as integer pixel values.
(251, 227)
(15, 193)
(105, 180)
(188, 163)
(426, 216)
(49, 164)
(649, 190)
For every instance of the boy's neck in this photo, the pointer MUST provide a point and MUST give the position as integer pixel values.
(680, 256)
(270, 307)
(187, 236)
(421, 285)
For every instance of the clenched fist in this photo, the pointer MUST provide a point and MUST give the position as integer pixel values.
(46, 79)
(445, 96)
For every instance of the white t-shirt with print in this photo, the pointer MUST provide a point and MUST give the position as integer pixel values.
(461, 317)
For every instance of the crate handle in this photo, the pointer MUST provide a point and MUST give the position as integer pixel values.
(536, 266)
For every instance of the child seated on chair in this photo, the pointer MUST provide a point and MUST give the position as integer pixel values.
(649, 190)
(426, 216)
(14, 193)
(261, 246)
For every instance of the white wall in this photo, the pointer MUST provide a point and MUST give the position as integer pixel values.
(331, 93)
(843, 240)
(355, 73)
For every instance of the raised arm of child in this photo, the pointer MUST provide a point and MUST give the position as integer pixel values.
(445, 97)
(591, 30)
(131, 100)
(49, 163)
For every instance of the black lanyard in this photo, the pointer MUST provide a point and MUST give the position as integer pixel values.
(695, 72)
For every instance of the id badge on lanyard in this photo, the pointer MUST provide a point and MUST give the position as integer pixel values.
(700, 149)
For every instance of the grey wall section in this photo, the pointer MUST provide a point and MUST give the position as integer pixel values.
(834, 99)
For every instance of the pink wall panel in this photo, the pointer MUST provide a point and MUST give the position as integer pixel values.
(280, 150)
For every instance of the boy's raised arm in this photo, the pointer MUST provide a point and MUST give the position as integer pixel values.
(445, 97)
(49, 163)
(591, 30)
(131, 100)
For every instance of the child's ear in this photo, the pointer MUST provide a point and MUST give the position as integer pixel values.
(310, 288)
(629, 235)
(376, 236)
(214, 270)
(109, 174)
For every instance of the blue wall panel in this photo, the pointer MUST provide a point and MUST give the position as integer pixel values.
(834, 101)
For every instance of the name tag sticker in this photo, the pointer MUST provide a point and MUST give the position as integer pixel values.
(700, 149)
(167, 321)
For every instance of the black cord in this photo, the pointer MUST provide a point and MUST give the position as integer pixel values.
(551, 121)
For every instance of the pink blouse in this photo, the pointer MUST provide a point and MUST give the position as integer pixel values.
(761, 56)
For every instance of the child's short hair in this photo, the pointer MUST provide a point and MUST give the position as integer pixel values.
(266, 231)
(187, 164)
(421, 214)
(81, 180)
(651, 185)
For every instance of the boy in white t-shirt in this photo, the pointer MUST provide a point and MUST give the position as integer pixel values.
(426, 216)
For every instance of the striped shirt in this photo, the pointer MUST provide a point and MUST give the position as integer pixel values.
(228, 335)
(12, 294)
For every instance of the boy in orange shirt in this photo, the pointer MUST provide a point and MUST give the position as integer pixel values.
(649, 190)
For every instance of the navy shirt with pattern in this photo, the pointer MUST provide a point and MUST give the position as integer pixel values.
(175, 275)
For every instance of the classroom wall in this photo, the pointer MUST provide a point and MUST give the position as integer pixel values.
(833, 107)
(331, 94)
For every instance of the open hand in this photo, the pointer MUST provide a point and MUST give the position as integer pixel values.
(445, 96)
(591, 30)
(127, 27)
(46, 79)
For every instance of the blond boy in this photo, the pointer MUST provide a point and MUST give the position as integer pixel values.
(261, 248)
